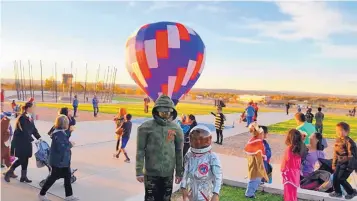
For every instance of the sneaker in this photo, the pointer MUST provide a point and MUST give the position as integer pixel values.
(43, 198)
(349, 197)
(71, 198)
(250, 197)
(127, 161)
(335, 195)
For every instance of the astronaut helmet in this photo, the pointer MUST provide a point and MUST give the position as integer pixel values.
(200, 139)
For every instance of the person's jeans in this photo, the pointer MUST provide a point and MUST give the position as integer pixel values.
(340, 179)
(57, 173)
(249, 120)
(95, 110)
(319, 128)
(252, 187)
(75, 110)
(158, 188)
(24, 162)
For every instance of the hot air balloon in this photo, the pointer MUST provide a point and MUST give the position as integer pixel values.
(165, 58)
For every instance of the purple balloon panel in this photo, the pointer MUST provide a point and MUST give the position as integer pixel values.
(165, 58)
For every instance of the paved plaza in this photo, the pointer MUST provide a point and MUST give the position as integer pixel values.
(101, 177)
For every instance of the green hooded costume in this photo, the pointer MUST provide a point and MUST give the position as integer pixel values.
(159, 144)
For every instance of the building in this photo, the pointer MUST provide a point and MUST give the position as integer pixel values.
(254, 98)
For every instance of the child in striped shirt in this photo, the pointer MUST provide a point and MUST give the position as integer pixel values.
(219, 124)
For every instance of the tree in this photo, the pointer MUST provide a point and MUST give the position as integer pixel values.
(49, 84)
(78, 87)
(129, 91)
(139, 91)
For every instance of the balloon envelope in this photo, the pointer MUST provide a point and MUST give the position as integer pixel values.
(165, 58)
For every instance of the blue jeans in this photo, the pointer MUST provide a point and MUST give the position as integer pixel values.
(252, 187)
(249, 120)
(75, 110)
(96, 110)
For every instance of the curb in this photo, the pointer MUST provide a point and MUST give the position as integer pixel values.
(279, 190)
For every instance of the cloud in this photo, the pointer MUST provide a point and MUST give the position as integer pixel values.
(131, 3)
(159, 5)
(309, 20)
(337, 51)
(242, 40)
(210, 8)
(315, 21)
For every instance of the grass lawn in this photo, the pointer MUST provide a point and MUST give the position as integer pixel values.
(128, 99)
(137, 109)
(329, 126)
(229, 193)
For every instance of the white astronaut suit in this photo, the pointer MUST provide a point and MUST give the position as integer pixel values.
(203, 173)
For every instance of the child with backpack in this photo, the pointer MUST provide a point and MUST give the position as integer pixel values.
(255, 155)
(343, 162)
(59, 160)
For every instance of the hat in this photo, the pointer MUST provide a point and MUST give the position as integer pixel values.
(256, 127)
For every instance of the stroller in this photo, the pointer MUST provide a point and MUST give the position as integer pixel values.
(42, 159)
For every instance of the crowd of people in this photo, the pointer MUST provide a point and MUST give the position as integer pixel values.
(21, 147)
(250, 114)
(304, 150)
(180, 151)
(161, 160)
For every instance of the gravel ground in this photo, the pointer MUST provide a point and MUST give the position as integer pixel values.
(234, 146)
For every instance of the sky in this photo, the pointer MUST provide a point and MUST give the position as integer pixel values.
(276, 46)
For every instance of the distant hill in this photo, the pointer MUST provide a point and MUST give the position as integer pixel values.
(233, 91)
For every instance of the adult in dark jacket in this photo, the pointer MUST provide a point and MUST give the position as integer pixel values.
(60, 159)
(75, 105)
(72, 121)
(21, 145)
(192, 123)
(95, 103)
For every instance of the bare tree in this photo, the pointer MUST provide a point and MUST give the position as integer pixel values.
(41, 81)
(22, 82)
(85, 83)
(97, 79)
(56, 81)
(30, 78)
(115, 77)
(75, 82)
(33, 86)
(70, 93)
(16, 80)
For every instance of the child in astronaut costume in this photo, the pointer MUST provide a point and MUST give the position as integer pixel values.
(202, 178)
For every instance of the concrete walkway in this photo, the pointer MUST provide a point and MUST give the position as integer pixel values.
(100, 177)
